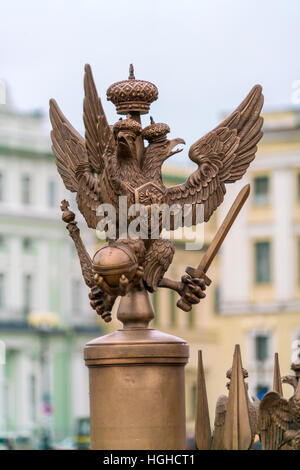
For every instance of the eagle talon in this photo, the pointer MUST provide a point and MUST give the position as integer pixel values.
(101, 302)
(140, 271)
(192, 289)
(124, 285)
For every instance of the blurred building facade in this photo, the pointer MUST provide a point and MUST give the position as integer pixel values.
(254, 299)
(43, 381)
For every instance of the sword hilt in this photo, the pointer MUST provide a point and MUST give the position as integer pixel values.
(183, 303)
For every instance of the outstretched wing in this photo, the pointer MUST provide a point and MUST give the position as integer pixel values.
(274, 419)
(68, 146)
(223, 156)
(98, 134)
(73, 165)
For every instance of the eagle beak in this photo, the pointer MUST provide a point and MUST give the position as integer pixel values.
(173, 144)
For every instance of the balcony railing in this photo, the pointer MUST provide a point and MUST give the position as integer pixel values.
(13, 317)
(78, 320)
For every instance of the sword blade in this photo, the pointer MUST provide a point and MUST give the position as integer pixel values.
(224, 229)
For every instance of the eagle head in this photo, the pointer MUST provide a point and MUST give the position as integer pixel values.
(156, 135)
(125, 132)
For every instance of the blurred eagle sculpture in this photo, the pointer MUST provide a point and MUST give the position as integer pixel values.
(126, 160)
(279, 418)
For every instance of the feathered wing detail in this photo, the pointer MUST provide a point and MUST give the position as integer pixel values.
(98, 134)
(88, 197)
(68, 146)
(72, 163)
(254, 404)
(253, 407)
(158, 258)
(273, 420)
(223, 156)
(220, 414)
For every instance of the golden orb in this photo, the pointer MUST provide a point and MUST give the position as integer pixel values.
(111, 261)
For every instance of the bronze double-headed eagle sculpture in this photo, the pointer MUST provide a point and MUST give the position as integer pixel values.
(279, 418)
(244, 423)
(126, 160)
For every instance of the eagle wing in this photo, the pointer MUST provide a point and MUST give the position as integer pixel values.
(274, 419)
(98, 134)
(73, 165)
(223, 156)
(80, 162)
(68, 147)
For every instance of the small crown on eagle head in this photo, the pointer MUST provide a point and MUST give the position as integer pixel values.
(127, 124)
(132, 95)
(155, 131)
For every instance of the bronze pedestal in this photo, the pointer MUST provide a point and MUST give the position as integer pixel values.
(137, 396)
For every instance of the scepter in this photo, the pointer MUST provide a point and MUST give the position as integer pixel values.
(215, 245)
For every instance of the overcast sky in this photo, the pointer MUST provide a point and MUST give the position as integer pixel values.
(203, 55)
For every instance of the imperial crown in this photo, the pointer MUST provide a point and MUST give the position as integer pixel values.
(127, 125)
(132, 95)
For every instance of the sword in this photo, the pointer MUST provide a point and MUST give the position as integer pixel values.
(215, 245)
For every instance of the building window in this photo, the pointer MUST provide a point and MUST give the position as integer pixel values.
(261, 190)
(261, 390)
(298, 187)
(173, 309)
(261, 347)
(76, 296)
(32, 394)
(2, 242)
(26, 189)
(262, 262)
(27, 244)
(51, 193)
(2, 291)
(27, 293)
(217, 299)
(1, 187)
